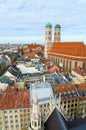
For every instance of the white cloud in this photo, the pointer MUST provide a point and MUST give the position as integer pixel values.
(23, 17)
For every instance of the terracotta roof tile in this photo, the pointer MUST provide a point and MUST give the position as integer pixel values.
(14, 98)
(34, 46)
(67, 89)
(81, 87)
(30, 55)
(66, 49)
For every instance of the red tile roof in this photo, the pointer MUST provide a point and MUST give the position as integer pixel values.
(71, 50)
(64, 88)
(30, 55)
(36, 51)
(51, 69)
(34, 46)
(67, 89)
(81, 87)
(13, 98)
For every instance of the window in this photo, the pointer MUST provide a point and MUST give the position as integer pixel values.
(11, 116)
(17, 126)
(16, 116)
(5, 111)
(76, 104)
(64, 106)
(68, 101)
(6, 126)
(11, 121)
(6, 117)
(35, 123)
(72, 105)
(6, 122)
(27, 110)
(16, 120)
(11, 126)
(64, 102)
(72, 100)
(10, 111)
(68, 106)
(15, 110)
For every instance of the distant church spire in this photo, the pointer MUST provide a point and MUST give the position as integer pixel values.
(35, 114)
(48, 39)
(57, 34)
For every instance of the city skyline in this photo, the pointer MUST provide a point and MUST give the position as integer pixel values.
(24, 21)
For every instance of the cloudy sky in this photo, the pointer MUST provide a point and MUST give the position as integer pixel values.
(25, 20)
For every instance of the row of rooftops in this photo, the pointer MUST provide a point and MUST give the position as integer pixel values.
(71, 91)
(13, 98)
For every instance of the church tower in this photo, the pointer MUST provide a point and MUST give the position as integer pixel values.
(35, 114)
(57, 34)
(48, 39)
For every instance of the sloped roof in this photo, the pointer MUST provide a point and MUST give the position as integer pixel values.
(33, 46)
(30, 55)
(13, 98)
(51, 69)
(55, 122)
(71, 50)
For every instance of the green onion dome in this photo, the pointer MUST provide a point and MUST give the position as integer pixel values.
(48, 25)
(57, 26)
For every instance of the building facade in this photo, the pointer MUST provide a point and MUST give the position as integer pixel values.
(67, 54)
(48, 39)
(42, 105)
(67, 101)
(14, 109)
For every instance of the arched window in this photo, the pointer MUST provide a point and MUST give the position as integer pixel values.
(75, 63)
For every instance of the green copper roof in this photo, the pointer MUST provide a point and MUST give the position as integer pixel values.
(57, 26)
(48, 25)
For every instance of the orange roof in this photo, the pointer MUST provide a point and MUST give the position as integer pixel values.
(51, 69)
(71, 50)
(30, 55)
(34, 46)
(13, 98)
(82, 90)
(81, 87)
(25, 48)
(35, 51)
(65, 88)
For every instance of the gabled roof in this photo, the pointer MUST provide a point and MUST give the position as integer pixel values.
(55, 122)
(71, 50)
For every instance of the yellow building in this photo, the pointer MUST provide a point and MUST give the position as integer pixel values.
(79, 75)
(82, 100)
(1, 120)
(15, 106)
(67, 101)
